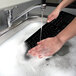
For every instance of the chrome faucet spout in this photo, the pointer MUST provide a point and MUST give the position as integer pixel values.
(28, 10)
(10, 21)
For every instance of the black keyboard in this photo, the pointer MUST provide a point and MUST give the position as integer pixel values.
(50, 29)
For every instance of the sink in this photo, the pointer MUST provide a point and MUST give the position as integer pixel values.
(30, 24)
(13, 63)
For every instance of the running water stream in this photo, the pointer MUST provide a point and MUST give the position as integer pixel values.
(42, 14)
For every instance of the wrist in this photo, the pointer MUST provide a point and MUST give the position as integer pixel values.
(63, 39)
(60, 6)
(58, 9)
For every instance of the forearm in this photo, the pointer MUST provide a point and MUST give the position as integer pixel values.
(68, 32)
(64, 3)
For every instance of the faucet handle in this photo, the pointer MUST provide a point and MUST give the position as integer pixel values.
(10, 15)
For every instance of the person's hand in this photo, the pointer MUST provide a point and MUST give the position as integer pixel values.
(53, 15)
(46, 47)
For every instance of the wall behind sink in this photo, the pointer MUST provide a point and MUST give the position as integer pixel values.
(8, 3)
(49, 9)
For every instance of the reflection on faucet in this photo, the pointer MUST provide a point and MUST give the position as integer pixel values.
(10, 15)
(9, 18)
(26, 12)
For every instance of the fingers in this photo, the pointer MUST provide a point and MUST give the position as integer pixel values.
(45, 55)
(50, 19)
(41, 41)
(48, 54)
(40, 51)
(32, 52)
(40, 56)
(35, 51)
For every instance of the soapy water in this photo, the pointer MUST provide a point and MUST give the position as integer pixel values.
(56, 66)
(46, 50)
(13, 63)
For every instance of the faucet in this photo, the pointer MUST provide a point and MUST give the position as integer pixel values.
(9, 18)
(10, 15)
(26, 12)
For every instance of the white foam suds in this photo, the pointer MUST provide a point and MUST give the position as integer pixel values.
(12, 62)
(56, 66)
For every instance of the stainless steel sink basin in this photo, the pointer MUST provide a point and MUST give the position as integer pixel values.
(18, 26)
(13, 63)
